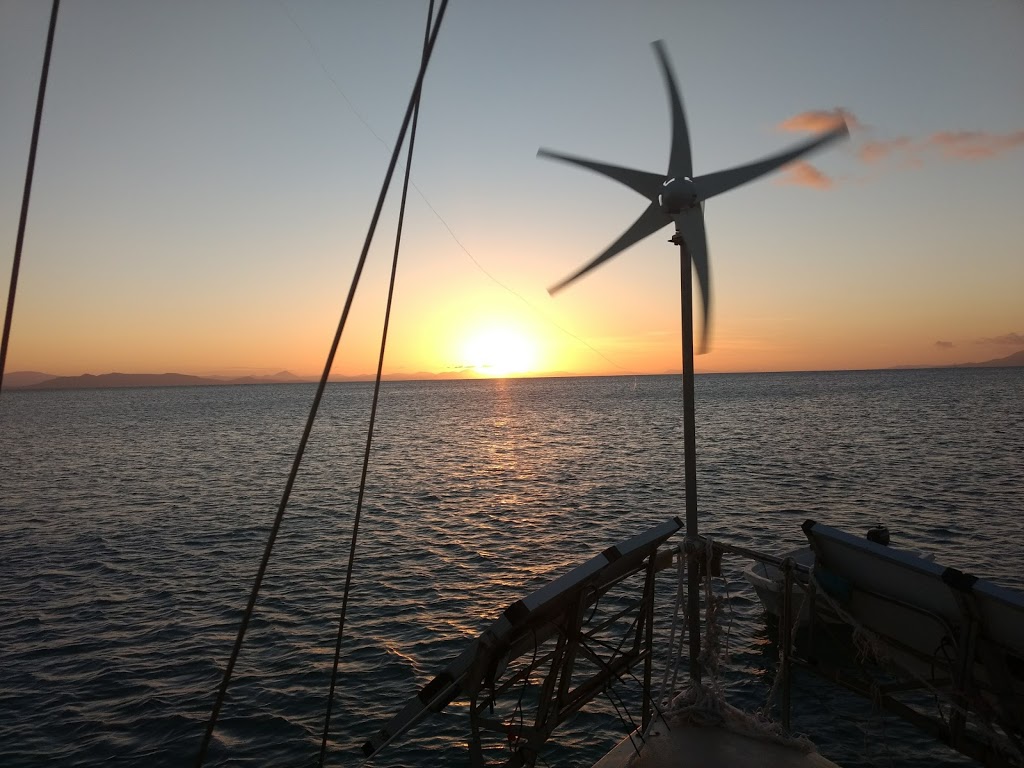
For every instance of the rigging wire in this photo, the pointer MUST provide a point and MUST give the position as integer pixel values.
(23, 219)
(247, 614)
(433, 210)
(376, 393)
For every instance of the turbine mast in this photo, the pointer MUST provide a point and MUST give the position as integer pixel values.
(678, 196)
(693, 551)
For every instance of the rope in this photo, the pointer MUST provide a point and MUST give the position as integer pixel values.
(348, 102)
(247, 614)
(704, 704)
(672, 663)
(777, 680)
(711, 647)
(376, 396)
(624, 715)
(513, 741)
(29, 174)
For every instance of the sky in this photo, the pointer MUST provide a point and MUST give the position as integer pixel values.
(207, 172)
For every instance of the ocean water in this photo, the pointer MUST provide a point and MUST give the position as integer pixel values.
(132, 522)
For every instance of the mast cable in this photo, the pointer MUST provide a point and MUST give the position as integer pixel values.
(376, 393)
(29, 173)
(348, 102)
(250, 606)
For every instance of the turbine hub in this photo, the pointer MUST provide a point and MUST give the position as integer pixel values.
(677, 195)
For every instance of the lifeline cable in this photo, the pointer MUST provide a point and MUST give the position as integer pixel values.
(250, 606)
(23, 219)
(376, 394)
(423, 197)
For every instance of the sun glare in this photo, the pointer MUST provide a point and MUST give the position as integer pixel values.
(499, 352)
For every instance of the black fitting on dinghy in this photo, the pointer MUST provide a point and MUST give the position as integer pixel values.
(879, 534)
(957, 579)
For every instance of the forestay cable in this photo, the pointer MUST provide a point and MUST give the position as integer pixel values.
(376, 394)
(348, 102)
(19, 242)
(247, 614)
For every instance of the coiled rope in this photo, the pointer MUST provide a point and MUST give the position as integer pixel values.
(261, 571)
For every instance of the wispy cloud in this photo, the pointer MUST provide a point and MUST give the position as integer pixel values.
(898, 151)
(971, 145)
(1007, 339)
(817, 120)
(878, 150)
(803, 174)
(944, 344)
(942, 145)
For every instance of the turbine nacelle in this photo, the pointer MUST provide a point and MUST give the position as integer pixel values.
(678, 195)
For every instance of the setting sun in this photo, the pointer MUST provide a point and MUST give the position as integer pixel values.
(499, 351)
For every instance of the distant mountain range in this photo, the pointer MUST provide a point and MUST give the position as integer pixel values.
(1010, 361)
(19, 379)
(38, 380)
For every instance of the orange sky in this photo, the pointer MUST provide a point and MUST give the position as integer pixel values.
(202, 213)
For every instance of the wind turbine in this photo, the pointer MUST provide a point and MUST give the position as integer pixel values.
(678, 197)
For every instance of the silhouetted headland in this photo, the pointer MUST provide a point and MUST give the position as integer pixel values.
(1010, 361)
(122, 380)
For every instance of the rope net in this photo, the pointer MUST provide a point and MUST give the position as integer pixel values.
(704, 704)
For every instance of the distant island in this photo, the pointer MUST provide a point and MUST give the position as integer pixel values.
(34, 380)
(1010, 361)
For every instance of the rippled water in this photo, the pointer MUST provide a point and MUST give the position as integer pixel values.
(132, 521)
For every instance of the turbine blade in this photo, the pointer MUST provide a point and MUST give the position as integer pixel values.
(650, 221)
(680, 162)
(690, 224)
(647, 184)
(713, 184)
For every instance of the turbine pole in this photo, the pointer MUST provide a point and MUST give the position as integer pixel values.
(693, 551)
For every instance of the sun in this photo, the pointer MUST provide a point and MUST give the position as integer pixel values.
(499, 351)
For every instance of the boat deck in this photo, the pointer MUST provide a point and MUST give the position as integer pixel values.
(706, 747)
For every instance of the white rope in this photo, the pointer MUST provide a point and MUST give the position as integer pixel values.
(674, 656)
(705, 704)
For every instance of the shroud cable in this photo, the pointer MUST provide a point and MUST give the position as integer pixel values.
(250, 606)
(29, 174)
(376, 394)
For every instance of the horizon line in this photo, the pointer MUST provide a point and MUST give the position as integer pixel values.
(285, 377)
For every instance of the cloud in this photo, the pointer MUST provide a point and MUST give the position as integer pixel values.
(972, 145)
(944, 344)
(899, 151)
(947, 145)
(1007, 339)
(876, 151)
(802, 174)
(817, 120)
